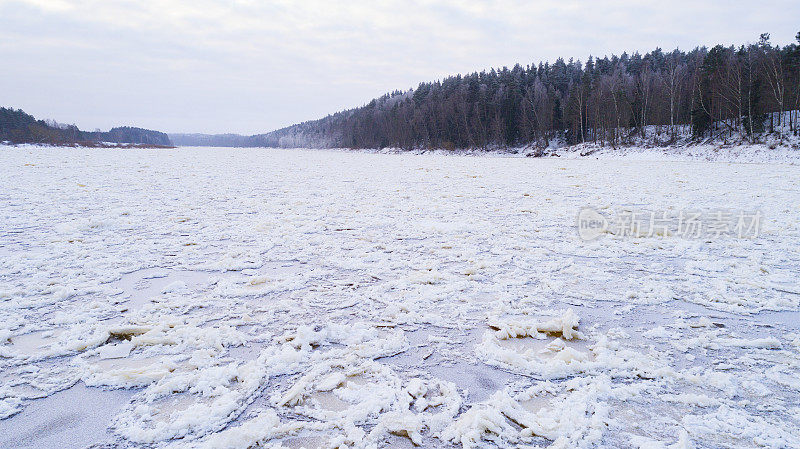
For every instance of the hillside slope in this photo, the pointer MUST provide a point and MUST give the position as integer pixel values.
(17, 127)
(657, 98)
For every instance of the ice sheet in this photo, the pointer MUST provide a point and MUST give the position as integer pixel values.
(233, 297)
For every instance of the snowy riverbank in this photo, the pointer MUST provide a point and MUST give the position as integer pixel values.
(732, 153)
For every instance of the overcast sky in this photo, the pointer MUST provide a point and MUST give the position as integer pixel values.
(251, 66)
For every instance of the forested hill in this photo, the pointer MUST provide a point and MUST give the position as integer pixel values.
(717, 92)
(18, 127)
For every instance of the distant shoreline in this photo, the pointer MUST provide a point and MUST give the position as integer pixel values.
(122, 146)
(741, 153)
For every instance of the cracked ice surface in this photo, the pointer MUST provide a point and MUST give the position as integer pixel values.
(292, 298)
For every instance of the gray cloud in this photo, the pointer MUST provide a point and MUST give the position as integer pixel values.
(251, 66)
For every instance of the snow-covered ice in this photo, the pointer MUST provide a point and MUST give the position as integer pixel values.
(237, 298)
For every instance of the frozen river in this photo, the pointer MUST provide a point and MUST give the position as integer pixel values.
(237, 298)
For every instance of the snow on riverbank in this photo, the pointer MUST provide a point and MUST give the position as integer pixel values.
(742, 154)
(289, 298)
(735, 153)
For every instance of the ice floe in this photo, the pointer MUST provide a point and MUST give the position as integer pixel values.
(291, 298)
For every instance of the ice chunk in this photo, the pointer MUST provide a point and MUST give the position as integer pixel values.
(760, 343)
(565, 326)
(175, 287)
(116, 351)
(294, 395)
(331, 381)
(403, 424)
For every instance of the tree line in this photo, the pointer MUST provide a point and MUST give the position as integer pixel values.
(720, 92)
(16, 127)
